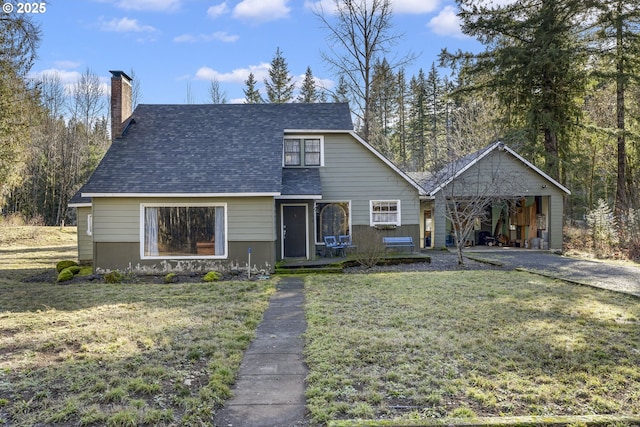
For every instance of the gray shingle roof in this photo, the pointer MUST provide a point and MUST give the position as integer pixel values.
(208, 149)
(301, 182)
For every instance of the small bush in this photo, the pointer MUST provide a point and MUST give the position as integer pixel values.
(65, 275)
(65, 264)
(75, 269)
(212, 276)
(170, 278)
(603, 227)
(370, 248)
(114, 277)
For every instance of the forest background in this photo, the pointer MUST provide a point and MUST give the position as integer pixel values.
(558, 81)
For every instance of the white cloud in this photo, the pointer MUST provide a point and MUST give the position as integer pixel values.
(66, 77)
(222, 36)
(149, 5)
(125, 25)
(66, 64)
(218, 10)
(261, 11)
(239, 75)
(447, 23)
(416, 7)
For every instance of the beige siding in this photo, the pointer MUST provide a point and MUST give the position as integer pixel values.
(85, 241)
(118, 219)
(513, 179)
(352, 172)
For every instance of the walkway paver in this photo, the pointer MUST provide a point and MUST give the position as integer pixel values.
(271, 383)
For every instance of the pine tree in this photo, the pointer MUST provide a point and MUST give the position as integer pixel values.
(535, 62)
(308, 91)
(19, 40)
(251, 94)
(280, 83)
(417, 121)
(617, 40)
(341, 94)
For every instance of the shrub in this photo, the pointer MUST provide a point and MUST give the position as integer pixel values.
(170, 278)
(65, 275)
(212, 276)
(114, 277)
(603, 227)
(75, 269)
(370, 248)
(65, 264)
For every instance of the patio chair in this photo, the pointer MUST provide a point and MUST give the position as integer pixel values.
(345, 241)
(331, 246)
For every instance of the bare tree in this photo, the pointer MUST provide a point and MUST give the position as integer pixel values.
(136, 89)
(216, 95)
(470, 187)
(190, 99)
(360, 34)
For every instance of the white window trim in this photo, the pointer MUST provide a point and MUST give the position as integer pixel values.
(89, 224)
(302, 152)
(315, 218)
(188, 205)
(397, 223)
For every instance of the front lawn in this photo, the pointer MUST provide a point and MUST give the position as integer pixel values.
(99, 354)
(468, 343)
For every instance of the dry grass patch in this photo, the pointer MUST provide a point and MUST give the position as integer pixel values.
(119, 355)
(468, 343)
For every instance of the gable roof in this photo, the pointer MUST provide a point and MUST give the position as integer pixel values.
(212, 149)
(433, 183)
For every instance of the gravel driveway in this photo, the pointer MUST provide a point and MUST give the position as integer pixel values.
(600, 274)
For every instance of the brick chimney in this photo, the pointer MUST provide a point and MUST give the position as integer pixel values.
(120, 102)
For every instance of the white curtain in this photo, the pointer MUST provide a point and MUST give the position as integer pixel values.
(219, 231)
(151, 231)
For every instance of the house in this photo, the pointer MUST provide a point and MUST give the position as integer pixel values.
(204, 187)
(527, 208)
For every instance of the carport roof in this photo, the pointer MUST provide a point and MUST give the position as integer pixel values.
(435, 182)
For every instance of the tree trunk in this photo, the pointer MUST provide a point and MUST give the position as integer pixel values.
(621, 190)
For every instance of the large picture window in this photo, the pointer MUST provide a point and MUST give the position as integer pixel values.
(183, 231)
(332, 219)
(385, 212)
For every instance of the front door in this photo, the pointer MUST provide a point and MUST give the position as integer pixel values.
(294, 231)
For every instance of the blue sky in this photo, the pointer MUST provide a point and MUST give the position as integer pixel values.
(176, 44)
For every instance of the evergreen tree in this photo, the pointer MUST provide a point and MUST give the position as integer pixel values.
(400, 136)
(251, 94)
(535, 63)
(383, 108)
(19, 39)
(617, 42)
(308, 91)
(435, 100)
(417, 121)
(341, 94)
(280, 83)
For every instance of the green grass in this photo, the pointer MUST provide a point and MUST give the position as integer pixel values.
(468, 343)
(118, 355)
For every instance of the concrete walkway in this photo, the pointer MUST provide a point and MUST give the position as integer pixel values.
(271, 383)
